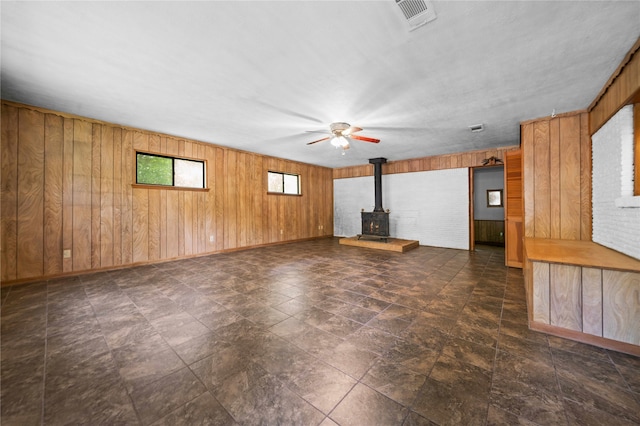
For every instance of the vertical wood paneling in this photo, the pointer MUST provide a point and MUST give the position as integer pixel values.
(541, 292)
(67, 193)
(106, 196)
(128, 177)
(210, 220)
(231, 195)
(570, 189)
(555, 181)
(154, 214)
(542, 195)
(172, 229)
(181, 209)
(565, 296)
(30, 234)
(592, 301)
(163, 224)
(274, 206)
(557, 177)
(96, 195)
(255, 199)
(53, 196)
(203, 238)
(266, 203)
(140, 208)
(528, 180)
(242, 216)
(187, 207)
(220, 197)
(163, 207)
(621, 306)
(117, 196)
(82, 158)
(68, 181)
(9, 181)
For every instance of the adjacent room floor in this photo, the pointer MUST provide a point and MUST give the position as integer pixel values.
(302, 334)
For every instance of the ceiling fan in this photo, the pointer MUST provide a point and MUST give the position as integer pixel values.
(340, 133)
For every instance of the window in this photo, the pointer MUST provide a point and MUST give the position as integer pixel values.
(152, 169)
(283, 183)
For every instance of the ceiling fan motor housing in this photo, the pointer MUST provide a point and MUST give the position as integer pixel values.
(338, 128)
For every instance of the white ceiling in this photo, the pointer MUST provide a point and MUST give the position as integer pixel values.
(257, 75)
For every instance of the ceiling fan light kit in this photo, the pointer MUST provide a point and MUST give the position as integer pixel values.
(340, 142)
(340, 133)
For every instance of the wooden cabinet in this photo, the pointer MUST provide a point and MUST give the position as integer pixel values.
(584, 291)
(513, 210)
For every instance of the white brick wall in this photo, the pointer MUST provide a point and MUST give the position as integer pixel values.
(615, 227)
(431, 207)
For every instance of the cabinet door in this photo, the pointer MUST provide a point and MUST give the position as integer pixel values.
(513, 209)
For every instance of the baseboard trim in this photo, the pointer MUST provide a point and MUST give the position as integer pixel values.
(578, 336)
(150, 262)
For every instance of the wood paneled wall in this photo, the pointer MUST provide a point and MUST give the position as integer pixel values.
(67, 184)
(557, 177)
(622, 88)
(489, 231)
(594, 301)
(438, 162)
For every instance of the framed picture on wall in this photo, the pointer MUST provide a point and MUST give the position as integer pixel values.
(494, 198)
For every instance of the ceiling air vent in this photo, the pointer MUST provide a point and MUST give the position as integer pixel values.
(417, 12)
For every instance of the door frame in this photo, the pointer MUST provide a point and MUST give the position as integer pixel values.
(472, 169)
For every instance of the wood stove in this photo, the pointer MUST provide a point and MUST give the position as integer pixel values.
(376, 223)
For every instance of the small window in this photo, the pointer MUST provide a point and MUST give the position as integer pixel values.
(152, 169)
(284, 183)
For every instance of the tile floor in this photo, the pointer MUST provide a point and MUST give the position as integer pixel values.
(301, 334)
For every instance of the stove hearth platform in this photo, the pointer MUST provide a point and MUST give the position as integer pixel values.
(392, 244)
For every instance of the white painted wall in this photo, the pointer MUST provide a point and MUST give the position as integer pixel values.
(616, 212)
(431, 207)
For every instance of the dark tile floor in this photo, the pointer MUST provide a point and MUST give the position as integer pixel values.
(301, 334)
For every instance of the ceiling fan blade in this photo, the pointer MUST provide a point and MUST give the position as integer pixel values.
(364, 138)
(319, 140)
(318, 131)
(350, 130)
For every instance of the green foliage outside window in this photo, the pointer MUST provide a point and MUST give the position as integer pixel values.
(154, 170)
(169, 171)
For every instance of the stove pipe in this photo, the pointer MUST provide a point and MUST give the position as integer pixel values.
(377, 175)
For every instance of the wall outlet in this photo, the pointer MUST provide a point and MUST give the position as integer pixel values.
(281, 231)
(211, 238)
(66, 254)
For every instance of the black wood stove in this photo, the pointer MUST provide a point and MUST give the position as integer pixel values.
(375, 224)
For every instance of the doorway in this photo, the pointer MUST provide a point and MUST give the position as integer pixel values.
(487, 210)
